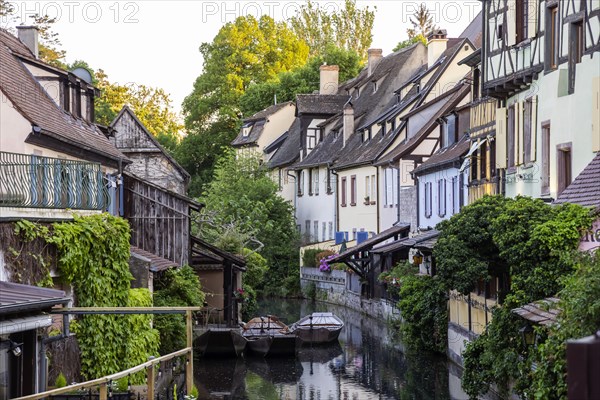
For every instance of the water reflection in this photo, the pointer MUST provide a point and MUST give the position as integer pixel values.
(368, 363)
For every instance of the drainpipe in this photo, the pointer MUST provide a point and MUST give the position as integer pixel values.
(43, 378)
(336, 214)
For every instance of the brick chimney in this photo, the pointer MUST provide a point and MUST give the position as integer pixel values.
(374, 57)
(29, 36)
(329, 76)
(437, 43)
(348, 127)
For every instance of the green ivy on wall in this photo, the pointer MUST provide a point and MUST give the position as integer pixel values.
(93, 257)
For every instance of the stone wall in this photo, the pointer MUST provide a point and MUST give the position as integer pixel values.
(335, 287)
(408, 208)
(156, 168)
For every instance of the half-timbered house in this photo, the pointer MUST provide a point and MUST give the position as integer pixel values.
(539, 60)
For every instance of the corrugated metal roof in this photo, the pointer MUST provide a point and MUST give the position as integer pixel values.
(15, 297)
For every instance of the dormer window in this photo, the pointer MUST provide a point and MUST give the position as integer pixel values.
(398, 98)
(246, 128)
(418, 87)
(374, 86)
(383, 128)
(393, 127)
(366, 135)
(357, 91)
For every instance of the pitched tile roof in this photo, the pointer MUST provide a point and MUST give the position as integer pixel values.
(473, 31)
(15, 298)
(34, 104)
(321, 104)
(450, 99)
(445, 156)
(267, 112)
(585, 189)
(325, 152)
(252, 137)
(289, 151)
(157, 264)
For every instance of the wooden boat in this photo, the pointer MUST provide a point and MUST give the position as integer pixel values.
(219, 342)
(318, 328)
(268, 336)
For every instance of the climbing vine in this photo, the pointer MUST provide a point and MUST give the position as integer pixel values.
(523, 238)
(93, 257)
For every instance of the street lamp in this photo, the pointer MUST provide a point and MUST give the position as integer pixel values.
(528, 334)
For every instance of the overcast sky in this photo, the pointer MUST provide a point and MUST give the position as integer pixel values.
(155, 42)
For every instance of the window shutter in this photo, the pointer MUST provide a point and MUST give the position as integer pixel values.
(501, 137)
(534, 106)
(389, 187)
(511, 22)
(532, 18)
(596, 114)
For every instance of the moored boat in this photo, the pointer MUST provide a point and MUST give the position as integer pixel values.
(318, 328)
(268, 336)
(220, 342)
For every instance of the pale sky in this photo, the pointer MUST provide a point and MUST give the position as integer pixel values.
(155, 42)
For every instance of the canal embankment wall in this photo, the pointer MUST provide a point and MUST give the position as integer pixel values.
(343, 288)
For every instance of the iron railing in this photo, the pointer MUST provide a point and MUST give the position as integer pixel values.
(44, 182)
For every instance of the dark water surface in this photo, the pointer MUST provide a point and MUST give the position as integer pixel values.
(368, 363)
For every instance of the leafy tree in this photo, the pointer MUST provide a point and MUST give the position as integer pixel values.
(243, 195)
(409, 42)
(422, 22)
(49, 45)
(244, 51)
(176, 288)
(348, 28)
(301, 80)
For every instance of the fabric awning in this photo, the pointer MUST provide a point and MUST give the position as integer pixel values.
(474, 147)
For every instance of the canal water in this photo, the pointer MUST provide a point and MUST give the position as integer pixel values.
(368, 363)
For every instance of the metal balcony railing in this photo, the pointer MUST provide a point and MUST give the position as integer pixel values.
(44, 182)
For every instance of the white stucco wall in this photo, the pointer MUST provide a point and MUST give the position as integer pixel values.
(276, 125)
(452, 205)
(363, 215)
(320, 208)
(570, 120)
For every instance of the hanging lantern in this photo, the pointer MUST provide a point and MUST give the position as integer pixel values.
(418, 258)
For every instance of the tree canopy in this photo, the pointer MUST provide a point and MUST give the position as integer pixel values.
(349, 28)
(422, 22)
(243, 210)
(301, 80)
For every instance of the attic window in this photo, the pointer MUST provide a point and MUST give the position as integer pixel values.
(366, 136)
(398, 98)
(383, 128)
(418, 87)
(246, 128)
(374, 86)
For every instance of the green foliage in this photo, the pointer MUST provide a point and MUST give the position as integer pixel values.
(423, 305)
(348, 28)
(61, 381)
(410, 41)
(177, 287)
(579, 317)
(309, 257)
(142, 339)
(249, 304)
(194, 392)
(305, 79)
(523, 238)
(256, 268)
(93, 256)
(243, 199)
(310, 291)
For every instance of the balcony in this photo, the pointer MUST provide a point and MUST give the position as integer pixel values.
(30, 181)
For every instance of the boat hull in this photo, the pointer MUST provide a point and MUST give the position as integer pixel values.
(318, 335)
(220, 343)
(273, 346)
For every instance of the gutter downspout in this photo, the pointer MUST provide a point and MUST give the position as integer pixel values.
(43, 377)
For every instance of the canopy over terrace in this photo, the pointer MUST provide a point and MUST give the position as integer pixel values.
(358, 258)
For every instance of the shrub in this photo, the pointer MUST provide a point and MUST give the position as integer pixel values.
(309, 258)
(61, 381)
